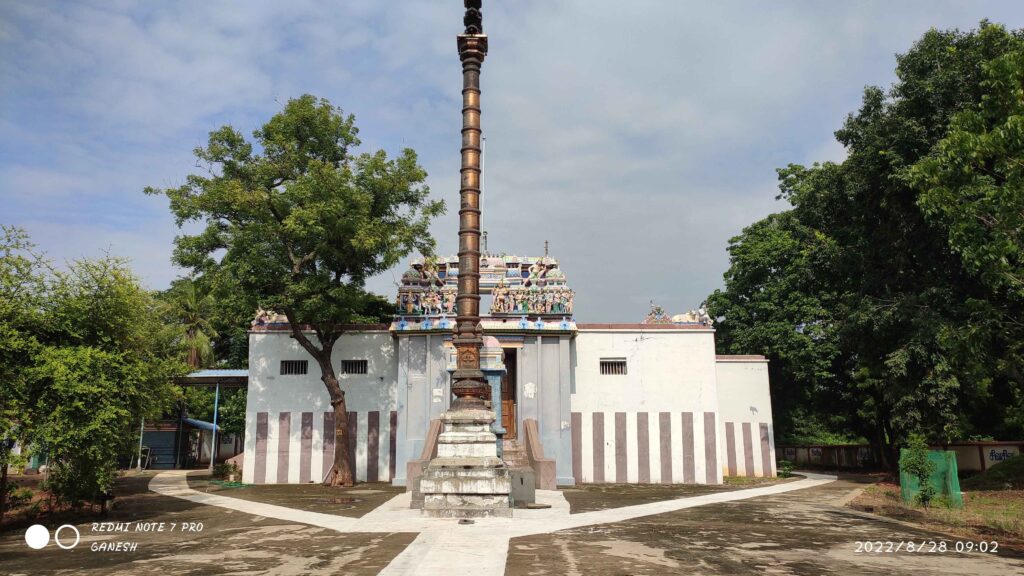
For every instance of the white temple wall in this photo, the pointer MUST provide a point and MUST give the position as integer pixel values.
(677, 415)
(658, 422)
(423, 393)
(544, 374)
(289, 419)
(745, 407)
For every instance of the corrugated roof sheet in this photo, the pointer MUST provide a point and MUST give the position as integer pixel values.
(201, 424)
(219, 373)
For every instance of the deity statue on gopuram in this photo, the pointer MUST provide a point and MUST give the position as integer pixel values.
(533, 286)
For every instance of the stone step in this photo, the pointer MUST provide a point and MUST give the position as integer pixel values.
(514, 454)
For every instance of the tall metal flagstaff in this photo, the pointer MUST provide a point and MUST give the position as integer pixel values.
(467, 478)
(469, 384)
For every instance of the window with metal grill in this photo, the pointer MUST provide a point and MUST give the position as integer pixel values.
(294, 367)
(354, 366)
(613, 366)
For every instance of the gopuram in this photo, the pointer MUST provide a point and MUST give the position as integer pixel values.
(455, 403)
(519, 286)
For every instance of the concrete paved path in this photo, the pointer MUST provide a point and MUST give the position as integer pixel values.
(443, 545)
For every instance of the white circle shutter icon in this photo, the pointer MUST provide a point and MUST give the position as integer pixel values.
(37, 536)
(56, 533)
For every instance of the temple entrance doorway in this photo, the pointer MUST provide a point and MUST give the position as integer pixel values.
(508, 395)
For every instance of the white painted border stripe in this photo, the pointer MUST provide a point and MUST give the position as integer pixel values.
(609, 447)
(362, 443)
(700, 455)
(654, 426)
(677, 447)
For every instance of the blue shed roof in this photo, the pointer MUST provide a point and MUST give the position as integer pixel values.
(219, 373)
(201, 424)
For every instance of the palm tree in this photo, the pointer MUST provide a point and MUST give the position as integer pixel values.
(192, 308)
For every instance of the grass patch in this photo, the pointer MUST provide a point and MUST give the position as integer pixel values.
(993, 514)
(749, 480)
(1007, 475)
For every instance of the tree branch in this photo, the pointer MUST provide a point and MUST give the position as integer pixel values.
(322, 355)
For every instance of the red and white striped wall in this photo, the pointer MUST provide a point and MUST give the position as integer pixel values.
(298, 447)
(749, 449)
(645, 447)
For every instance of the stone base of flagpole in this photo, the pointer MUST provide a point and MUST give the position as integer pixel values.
(467, 479)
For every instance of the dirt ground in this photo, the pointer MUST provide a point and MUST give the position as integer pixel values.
(229, 542)
(352, 502)
(803, 532)
(808, 531)
(591, 497)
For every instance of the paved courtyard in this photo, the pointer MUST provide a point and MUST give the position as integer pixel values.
(796, 527)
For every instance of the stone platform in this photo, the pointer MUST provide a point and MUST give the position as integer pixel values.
(466, 479)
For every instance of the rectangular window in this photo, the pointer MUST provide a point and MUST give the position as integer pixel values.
(613, 366)
(354, 366)
(294, 367)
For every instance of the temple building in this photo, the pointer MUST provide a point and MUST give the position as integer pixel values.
(567, 402)
(646, 402)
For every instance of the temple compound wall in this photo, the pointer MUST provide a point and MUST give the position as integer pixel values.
(633, 403)
(745, 408)
(654, 423)
(289, 423)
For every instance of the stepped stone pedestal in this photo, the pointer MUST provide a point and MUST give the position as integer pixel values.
(467, 479)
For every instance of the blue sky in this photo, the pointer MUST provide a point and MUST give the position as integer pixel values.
(637, 137)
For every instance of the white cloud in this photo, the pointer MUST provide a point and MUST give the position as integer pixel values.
(636, 136)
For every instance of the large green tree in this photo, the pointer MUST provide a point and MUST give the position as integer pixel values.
(297, 221)
(778, 305)
(972, 189)
(911, 335)
(22, 290)
(84, 354)
(108, 360)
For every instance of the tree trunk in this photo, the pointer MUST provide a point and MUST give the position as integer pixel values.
(3, 488)
(341, 473)
(193, 352)
(885, 449)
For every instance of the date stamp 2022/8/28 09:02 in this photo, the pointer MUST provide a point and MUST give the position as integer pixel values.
(927, 546)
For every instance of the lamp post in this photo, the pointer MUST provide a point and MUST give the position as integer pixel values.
(213, 435)
(469, 384)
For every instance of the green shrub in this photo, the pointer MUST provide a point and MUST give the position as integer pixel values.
(18, 497)
(914, 462)
(224, 469)
(784, 468)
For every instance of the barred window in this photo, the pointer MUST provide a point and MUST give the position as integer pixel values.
(354, 366)
(294, 367)
(613, 366)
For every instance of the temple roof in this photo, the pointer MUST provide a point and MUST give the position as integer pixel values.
(521, 285)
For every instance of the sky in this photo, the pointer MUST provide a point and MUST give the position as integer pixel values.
(635, 137)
